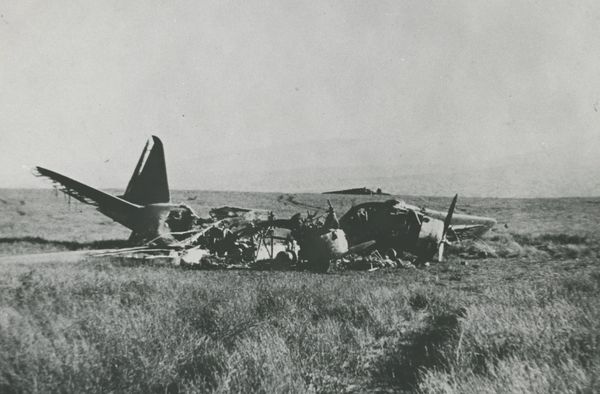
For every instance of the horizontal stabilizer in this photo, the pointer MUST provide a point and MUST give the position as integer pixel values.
(114, 207)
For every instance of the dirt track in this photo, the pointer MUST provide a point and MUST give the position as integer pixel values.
(72, 256)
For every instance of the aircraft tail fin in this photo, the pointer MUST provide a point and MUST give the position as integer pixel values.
(148, 184)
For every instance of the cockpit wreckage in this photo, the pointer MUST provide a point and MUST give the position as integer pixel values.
(370, 233)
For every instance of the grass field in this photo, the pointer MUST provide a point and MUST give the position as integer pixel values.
(516, 312)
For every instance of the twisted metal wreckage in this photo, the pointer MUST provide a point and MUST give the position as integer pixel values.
(372, 233)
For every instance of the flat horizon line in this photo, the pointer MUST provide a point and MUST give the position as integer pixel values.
(390, 194)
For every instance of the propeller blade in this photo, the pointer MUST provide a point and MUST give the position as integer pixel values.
(448, 219)
(441, 252)
(447, 222)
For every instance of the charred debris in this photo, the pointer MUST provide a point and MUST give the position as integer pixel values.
(238, 238)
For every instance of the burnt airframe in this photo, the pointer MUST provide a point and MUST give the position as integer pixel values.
(399, 227)
(391, 226)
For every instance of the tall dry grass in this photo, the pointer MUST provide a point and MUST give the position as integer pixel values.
(543, 338)
(101, 326)
(138, 329)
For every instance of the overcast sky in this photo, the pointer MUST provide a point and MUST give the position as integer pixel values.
(237, 90)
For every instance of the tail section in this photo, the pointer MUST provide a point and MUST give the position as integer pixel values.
(116, 208)
(148, 184)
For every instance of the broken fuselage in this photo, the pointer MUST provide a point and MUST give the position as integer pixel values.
(393, 224)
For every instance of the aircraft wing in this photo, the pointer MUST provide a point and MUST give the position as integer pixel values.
(464, 226)
(466, 231)
(116, 208)
(469, 227)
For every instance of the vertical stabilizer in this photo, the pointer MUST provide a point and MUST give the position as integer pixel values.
(148, 184)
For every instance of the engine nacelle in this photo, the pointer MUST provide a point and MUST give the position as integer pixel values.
(430, 235)
(319, 248)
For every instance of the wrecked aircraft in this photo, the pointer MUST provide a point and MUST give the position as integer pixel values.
(243, 235)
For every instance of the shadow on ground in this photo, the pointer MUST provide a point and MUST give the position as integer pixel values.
(400, 367)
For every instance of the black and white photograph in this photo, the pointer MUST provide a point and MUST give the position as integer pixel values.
(339, 196)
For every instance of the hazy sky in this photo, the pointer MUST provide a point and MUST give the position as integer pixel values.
(240, 91)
